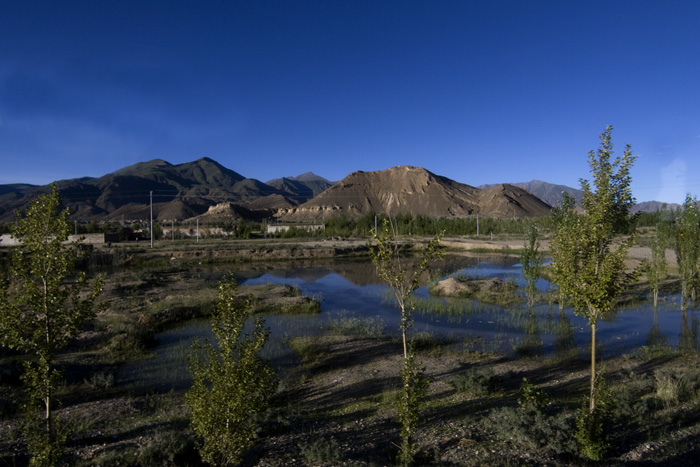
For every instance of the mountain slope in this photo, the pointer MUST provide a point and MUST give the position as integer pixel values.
(413, 190)
(301, 188)
(190, 187)
(550, 193)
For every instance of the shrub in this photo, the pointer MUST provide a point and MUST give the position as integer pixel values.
(231, 388)
(530, 396)
(592, 425)
(321, 450)
(534, 425)
(478, 383)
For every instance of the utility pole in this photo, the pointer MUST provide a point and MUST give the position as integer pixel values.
(198, 230)
(151, 219)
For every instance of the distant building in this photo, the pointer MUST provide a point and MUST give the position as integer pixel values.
(89, 239)
(279, 228)
(8, 240)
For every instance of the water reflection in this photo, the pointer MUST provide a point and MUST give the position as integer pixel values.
(564, 334)
(351, 288)
(532, 342)
(656, 338)
(688, 338)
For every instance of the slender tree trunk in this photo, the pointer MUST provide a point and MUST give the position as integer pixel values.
(49, 418)
(561, 302)
(403, 332)
(48, 360)
(656, 296)
(592, 398)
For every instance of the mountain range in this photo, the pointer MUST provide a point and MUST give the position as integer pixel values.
(204, 188)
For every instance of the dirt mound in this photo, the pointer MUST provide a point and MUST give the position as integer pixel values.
(416, 191)
(452, 287)
(224, 211)
(493, 290)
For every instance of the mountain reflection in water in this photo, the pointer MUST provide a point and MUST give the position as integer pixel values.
(350, 290)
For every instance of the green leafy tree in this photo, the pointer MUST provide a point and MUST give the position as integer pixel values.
(232, 387)
(532, 259)
(563, 216)
(42, 308)
(687, 247)
(589, 250)
(656, 268)
(386, 256)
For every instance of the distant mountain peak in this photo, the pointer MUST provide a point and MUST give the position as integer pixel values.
(207, 160)
(301, 188)
(308, 177)
(142, 166)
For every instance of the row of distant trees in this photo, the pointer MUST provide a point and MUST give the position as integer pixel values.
(342, 226)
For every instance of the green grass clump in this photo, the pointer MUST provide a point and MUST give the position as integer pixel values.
(308, 349)
(346, 325)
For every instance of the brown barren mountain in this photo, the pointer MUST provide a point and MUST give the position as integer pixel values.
(414, 190)
(511, 201)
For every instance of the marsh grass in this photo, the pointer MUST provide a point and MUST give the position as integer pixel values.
(346, 324)
(506, 297)
(279, 299)
(308, 349)
(651, 352)
(450, 306)
(428, 343)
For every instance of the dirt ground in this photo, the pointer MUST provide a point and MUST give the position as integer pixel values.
(347, 395)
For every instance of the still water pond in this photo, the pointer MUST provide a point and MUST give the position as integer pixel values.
(350, 292)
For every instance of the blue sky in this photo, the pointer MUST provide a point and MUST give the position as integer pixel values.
(478, 91)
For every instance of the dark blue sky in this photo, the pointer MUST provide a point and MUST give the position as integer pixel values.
(478, 91)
